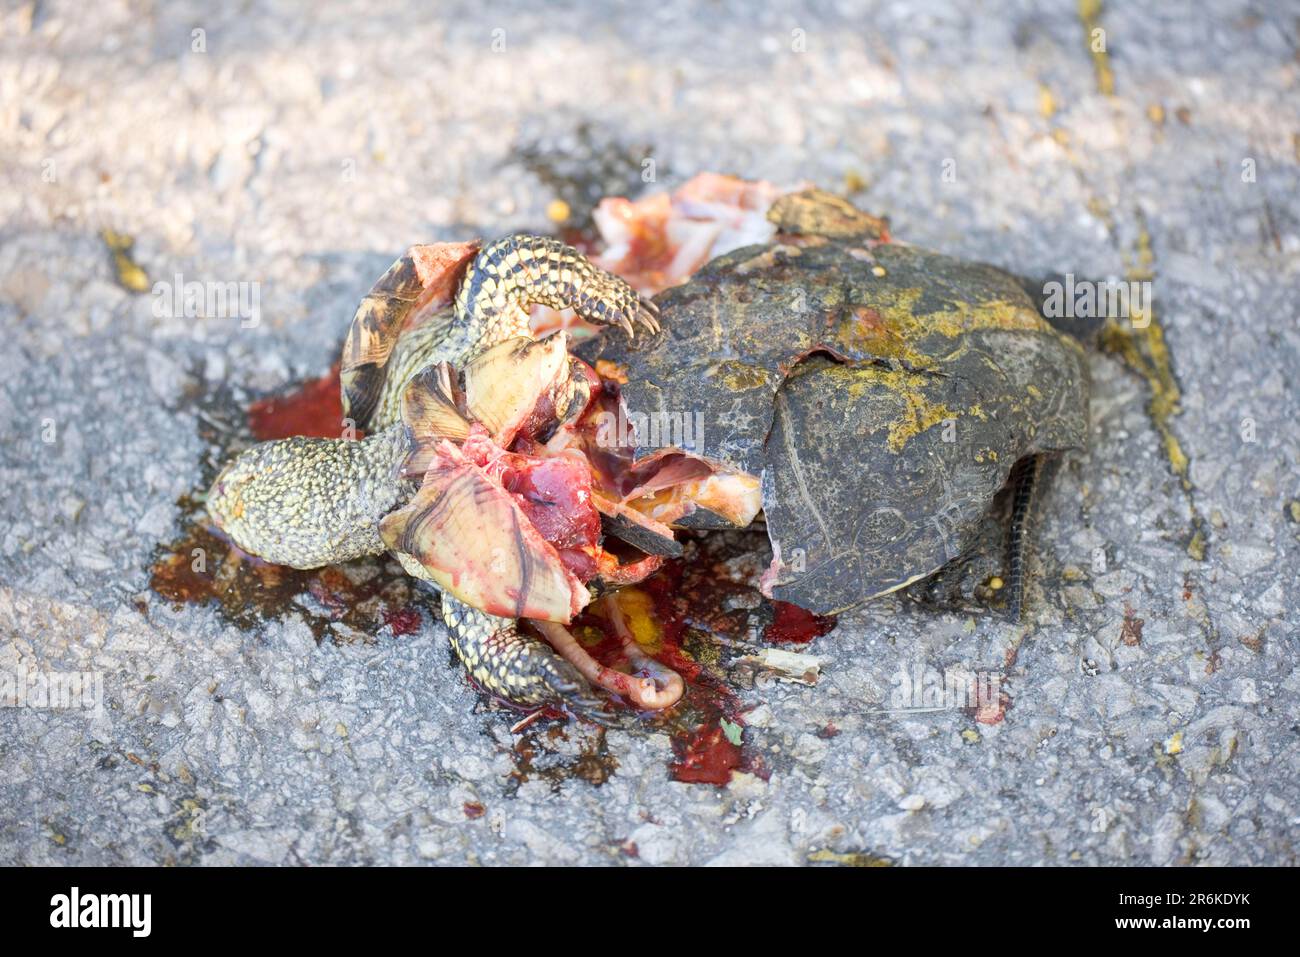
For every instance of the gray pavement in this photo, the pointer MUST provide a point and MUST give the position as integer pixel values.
(302, 149)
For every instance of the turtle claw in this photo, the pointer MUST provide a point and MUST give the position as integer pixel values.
(563, 687)
(642, 313)
(571, 694)
(589, 707)
(648, 315)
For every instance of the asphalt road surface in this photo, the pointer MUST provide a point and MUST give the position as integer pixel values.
(1150, 705)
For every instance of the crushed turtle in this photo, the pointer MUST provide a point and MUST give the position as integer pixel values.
(442, 476)
(868, 397)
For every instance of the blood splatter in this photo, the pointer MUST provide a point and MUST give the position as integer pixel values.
(314, 409)
(403, 621)
(794, 625)
(705, 756)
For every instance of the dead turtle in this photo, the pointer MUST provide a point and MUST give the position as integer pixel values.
(867, 397)
(870, 397)
(441, 373)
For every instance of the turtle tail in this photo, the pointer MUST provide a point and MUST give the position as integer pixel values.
(1024, 483)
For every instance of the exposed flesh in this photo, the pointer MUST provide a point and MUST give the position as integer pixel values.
(652, 686)
(661, 240)
(529, 535)
(475, 540)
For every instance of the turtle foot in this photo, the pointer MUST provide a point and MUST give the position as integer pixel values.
(512, 274)
(517, 667)
(567, 691)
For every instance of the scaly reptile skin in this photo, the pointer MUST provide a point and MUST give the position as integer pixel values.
(310, 502)
(1024, 481)
(504, 280)
(511, 664)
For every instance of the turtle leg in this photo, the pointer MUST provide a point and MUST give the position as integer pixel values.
(1024, 483)
(514, 666)
(511, 274)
